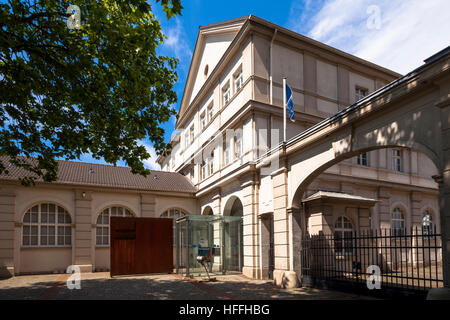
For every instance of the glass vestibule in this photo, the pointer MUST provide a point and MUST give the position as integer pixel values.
(220, 235)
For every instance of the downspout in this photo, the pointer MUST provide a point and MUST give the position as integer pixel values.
(270, 68)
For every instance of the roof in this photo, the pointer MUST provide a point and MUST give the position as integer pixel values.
(90, 174)
(339, 196)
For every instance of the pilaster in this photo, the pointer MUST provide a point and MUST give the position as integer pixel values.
(83, 256)
(7, 230)
(250, 225)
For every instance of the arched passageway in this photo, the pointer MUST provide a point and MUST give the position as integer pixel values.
(233, 235)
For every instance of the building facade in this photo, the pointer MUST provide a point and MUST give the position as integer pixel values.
(230, 118)
(49, 226)
(231, 114)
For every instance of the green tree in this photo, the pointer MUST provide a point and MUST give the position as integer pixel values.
(68, 88)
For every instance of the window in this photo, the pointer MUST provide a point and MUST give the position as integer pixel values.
(226, 92)
(238, 80)
(210, 112)
(398, 222)
(191, 134)
(238, 145)
(363, 159)
(203, 170)
(47, 225)
(360, 93)
(211, 164)
(343, 232)
(102, 233)
(203, 120)
(427, 223)
(186, 138)
(226, 151)
(397, 160)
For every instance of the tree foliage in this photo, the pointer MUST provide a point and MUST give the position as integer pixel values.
(100, 88)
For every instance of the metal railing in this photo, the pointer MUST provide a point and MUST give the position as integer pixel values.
(406, 260)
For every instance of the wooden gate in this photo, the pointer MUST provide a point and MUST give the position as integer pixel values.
(141, 245)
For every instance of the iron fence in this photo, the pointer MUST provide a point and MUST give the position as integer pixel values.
(405, 261)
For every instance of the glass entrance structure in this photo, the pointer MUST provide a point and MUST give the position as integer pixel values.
(220, 236)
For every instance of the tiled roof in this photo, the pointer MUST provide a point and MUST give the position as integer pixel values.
(82, 173)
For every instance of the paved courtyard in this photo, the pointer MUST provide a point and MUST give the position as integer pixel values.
(155, 287)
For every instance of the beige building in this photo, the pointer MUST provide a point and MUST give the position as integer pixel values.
(228, 159)
(231, 115)
(50, 226)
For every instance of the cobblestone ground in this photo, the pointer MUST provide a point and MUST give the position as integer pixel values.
(156, 287)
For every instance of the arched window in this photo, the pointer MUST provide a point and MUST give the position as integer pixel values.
(427, 223)
(173, 213)
(343, 232)
(102, 234)
(47, 225)
(398, 222)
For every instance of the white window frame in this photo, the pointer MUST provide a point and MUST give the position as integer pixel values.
(203, 120)
(226, 93)
(238, 80)
(343, 226)
(238, 148)
(186, 138)
(211, 164)
(62, 226)
(427, 223)
(363, 159)
(191, 134)
(103, 223)
(226, 151)
(210, 112)
(203, 170)
(398, 222)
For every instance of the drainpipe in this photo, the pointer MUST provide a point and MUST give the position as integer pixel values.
(270, 75)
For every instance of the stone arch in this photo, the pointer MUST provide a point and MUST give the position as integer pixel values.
(233, 207)
(330, 157)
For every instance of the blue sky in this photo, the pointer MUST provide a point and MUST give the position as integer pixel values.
(396, 34)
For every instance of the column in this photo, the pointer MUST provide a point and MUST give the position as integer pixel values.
(384, 208)
(7, 208)
(265, 223)
(416, 206)
(283, 274)
(444, 183)
(148, 203)
(250, 226)
(83, 256)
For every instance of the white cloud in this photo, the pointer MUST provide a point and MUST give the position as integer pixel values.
(177, 44)
(150, 163)
(409, 31)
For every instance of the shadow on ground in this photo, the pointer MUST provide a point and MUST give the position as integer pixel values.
(156, 287)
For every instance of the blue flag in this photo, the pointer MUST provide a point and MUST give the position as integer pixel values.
(290, 103)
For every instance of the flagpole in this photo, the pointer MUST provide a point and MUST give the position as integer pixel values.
(284, 110)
